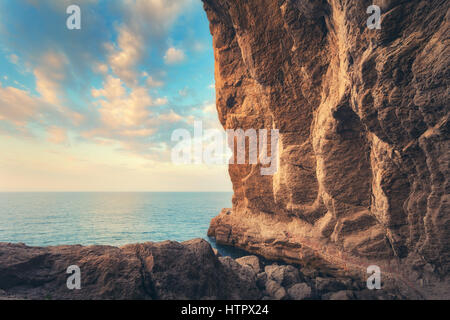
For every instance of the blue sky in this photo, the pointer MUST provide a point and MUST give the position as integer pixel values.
(94, 109)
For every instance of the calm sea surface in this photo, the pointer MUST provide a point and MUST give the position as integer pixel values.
(43, 219)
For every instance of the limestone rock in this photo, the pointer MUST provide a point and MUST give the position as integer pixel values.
(363, 115)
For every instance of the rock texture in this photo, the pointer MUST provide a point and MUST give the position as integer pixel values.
(363, 160)
(166, 270)
(170, 270)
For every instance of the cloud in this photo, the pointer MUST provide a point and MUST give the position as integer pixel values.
(121, 109)
(154, 83)
(153, 16)
(210, 109)
(170, 117)
(161, 101)
(49, 75)
(199, 46)
(57, 135)
(138, 132)
(61, 4)
(174, 56)
(101, 68)
(125, 116)
(17, 106)
(124, 58)
(144, 21)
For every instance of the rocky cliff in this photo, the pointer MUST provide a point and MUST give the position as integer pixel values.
(363, 116)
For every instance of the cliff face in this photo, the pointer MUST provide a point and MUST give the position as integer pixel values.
(363, 114)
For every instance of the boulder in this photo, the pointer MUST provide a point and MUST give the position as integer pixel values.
(299, 291)
(251, 261)
(275, 290)
(285, 275)
(261, 279)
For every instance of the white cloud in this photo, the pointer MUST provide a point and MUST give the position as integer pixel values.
(210, 108)
(124, 58)
(144, 20)
(124, 114)
(174, 55)
(121, 109)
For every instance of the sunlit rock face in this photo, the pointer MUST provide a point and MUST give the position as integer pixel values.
(363, 161)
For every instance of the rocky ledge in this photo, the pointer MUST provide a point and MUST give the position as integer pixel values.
(172, 270)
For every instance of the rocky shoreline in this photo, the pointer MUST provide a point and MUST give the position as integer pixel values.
(172, 270)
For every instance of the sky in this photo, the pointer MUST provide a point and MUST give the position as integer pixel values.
(94, 109)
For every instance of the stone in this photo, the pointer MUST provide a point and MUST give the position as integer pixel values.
(363, 121)
(164, 270)
(261, 279)
(216, 252)
(367, 294)
(285, 275)
(251, 261)
(331, 284)
(246, 283)
(275, 290)
(299, 291)
(341, 295)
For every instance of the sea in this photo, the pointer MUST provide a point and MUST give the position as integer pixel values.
(109, 218)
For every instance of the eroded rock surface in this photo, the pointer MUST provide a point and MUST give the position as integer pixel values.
(165, 270)
(171, 270)
(363, 174)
